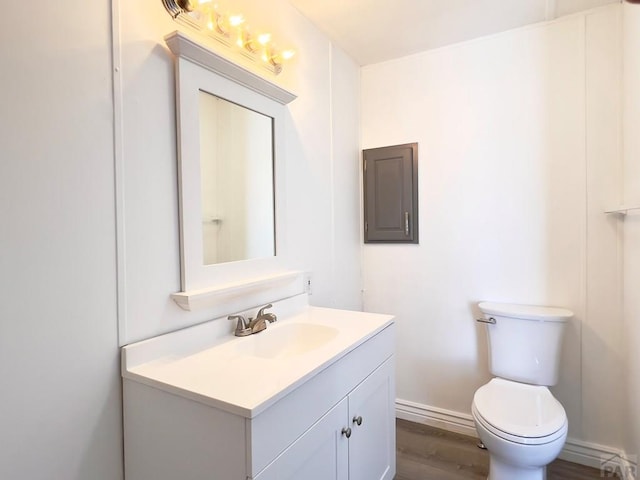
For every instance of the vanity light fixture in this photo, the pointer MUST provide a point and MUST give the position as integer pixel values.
(231, 30)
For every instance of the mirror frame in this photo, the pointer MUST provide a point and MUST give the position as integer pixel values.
(200, 69)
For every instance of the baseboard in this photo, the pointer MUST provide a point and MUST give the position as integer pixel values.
(436, 417)
(629, 467)
(589, 454)
(602, 457)
(618, 463)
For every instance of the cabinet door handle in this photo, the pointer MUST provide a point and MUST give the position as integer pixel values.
(406, 223)
(346, 431)
(357, 420)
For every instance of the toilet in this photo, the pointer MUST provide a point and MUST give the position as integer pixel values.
(518, 420)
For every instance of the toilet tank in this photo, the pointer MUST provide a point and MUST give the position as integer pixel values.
(525, 341)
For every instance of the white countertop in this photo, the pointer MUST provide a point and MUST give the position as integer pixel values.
(226, 374)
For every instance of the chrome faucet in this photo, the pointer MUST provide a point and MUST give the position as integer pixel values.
(260, 322)
(255, 325)
(242, 329)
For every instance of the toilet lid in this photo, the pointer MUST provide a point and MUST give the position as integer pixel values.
(528, 411)
(526, 312)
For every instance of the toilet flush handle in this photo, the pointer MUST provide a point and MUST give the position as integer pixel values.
(490, 320)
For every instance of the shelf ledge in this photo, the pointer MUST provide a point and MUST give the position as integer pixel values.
(276, 286)
(623, 209)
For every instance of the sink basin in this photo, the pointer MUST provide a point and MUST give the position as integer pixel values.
(287, 340)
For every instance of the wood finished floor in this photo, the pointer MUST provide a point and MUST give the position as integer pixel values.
(427, 453)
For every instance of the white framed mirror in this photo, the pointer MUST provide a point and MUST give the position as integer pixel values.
(231, 162)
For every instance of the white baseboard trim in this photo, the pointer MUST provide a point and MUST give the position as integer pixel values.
(629, 467)
(584, 453)
(593, 455)
(436, 417)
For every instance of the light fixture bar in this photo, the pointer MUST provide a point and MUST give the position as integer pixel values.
(230, 30)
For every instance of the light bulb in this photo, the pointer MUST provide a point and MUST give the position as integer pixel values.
(236, 20)
(248, 42)
(211, 23)
(218, 23)
(264, 38)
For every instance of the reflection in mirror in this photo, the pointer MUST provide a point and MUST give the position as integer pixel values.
(236, 167)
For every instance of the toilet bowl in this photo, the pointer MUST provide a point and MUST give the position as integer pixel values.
(523, 427)
(517, 418)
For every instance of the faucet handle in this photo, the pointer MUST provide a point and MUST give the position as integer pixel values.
(241, 326)
(261, 311)
(269, 317)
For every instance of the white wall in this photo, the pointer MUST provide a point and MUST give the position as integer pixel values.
(59, 362)
(320, 178)
(345, 171)
(631, 196)
(519, 156)
(602, 341)
(59, 357)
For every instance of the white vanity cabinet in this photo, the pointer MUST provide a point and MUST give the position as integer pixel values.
(355, 440)
(317, 418)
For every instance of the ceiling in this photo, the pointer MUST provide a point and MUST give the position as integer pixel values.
(373, 31)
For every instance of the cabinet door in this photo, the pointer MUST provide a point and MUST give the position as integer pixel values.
(372, 445)
(320, 454)
(391, 194)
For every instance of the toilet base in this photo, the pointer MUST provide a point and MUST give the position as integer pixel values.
(498, 470)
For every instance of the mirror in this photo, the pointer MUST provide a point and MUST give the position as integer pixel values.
(231, 149)
(236, 171)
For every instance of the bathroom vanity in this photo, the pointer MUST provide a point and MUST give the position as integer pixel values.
(312, 397)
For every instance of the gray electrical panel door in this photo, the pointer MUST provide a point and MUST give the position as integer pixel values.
(391, 194)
